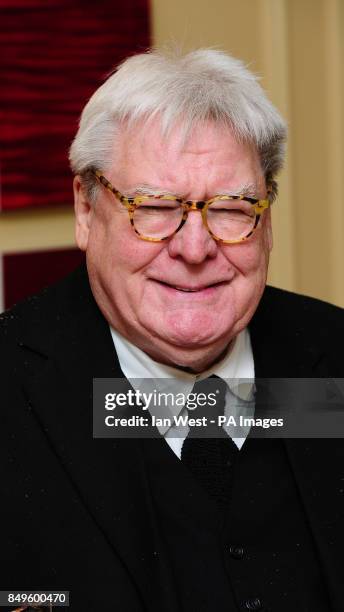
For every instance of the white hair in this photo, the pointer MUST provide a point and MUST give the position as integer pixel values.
(202, 85)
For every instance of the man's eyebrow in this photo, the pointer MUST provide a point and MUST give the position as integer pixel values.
(145, 189)
(246, 189)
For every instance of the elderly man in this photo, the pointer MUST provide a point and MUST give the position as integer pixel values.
(175, 163)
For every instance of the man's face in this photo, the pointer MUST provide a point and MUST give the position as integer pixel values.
(138, 285)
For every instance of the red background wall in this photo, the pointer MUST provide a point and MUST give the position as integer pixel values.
(54, 53)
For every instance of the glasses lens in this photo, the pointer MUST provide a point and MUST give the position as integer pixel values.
(156, 218)
(231, 219)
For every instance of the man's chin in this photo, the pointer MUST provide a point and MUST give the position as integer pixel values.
(187, 346)
(191, 330)
(191, 357)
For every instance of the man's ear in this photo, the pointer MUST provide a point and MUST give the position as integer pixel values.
(83, 214)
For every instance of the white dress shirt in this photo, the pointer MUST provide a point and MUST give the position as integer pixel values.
(236, 368)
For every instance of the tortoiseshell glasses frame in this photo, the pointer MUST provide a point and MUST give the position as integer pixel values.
(132, 203)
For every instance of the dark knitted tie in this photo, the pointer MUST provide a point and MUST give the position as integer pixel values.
(211, 457)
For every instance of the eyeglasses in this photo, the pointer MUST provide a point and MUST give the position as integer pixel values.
(228, 218)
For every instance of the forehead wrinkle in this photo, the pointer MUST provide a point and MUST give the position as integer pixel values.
(175, 170)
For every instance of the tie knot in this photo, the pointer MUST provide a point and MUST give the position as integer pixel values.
(210, 399)
(211, 393)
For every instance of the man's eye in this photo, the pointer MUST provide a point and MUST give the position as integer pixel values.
(159, 205)
(232, 209)
(232, 212)
(157, 208)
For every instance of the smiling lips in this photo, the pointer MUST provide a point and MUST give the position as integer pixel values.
(191, 289)
(187, 290)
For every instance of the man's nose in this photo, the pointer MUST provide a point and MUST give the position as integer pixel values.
(193, 242)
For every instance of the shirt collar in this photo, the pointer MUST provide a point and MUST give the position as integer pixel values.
(236, 368)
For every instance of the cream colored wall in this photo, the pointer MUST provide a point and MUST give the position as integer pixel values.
(297, 48)
(26, 230)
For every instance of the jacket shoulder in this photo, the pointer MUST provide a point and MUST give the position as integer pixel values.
(295, 309)
(298, 329)
(41, 315)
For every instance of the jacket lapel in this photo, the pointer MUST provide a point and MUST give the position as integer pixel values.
(283, 350)
(108, 474)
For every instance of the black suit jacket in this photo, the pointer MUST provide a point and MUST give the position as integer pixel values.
(76, 512)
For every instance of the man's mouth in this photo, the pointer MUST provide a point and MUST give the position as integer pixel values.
(186, 289)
